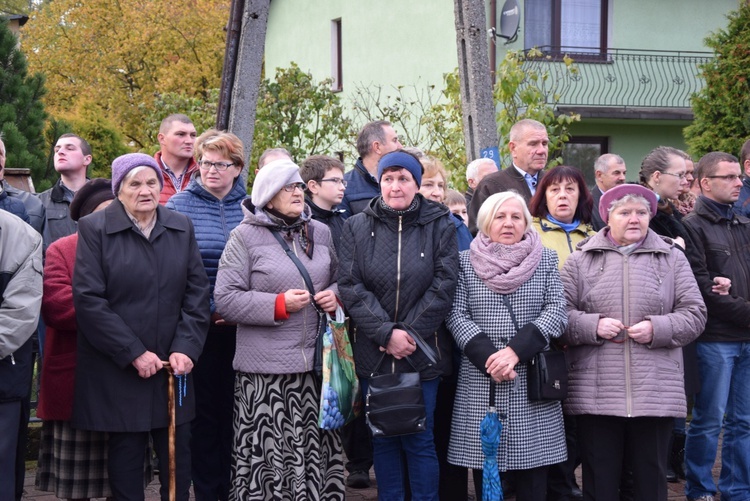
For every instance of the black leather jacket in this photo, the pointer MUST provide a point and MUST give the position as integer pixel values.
(58, 223)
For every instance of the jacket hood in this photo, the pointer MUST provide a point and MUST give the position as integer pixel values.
(600, 242)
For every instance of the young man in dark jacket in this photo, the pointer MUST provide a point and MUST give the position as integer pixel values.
(324, 180)
(720, 242)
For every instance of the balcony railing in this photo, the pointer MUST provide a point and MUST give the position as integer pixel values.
(620, 78)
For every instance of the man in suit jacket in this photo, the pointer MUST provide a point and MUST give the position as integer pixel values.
(529, 149)
(609, 171)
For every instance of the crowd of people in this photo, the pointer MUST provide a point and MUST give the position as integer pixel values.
(171, 273)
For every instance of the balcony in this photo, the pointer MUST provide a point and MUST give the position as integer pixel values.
(621, 83)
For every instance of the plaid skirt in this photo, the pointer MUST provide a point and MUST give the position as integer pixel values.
(73, 463)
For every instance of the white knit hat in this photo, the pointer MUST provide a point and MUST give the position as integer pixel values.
(271, 179)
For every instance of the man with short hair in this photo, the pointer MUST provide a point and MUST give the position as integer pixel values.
(475, 172)
(324, 189)
(72, 158)
(374, 140)
(609, 171)
(528, 144)
(175, 157)
(742, 206)
(20, 300)
(720, 240)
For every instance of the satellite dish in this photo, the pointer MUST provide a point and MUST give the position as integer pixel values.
(508, 20)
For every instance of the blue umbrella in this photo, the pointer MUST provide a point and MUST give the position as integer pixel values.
(489, 432)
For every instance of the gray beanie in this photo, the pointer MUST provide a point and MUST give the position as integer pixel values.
(125, 163)
(271, 179)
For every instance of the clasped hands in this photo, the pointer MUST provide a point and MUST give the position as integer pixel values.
(296, 299)
(149, 364)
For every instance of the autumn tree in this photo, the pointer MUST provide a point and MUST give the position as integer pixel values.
(722, 108)
(21, 110)
(123, 55)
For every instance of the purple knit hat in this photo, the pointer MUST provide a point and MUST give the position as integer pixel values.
(125, 163)
(613, 194)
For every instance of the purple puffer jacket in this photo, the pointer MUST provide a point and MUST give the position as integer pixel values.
(625, 378)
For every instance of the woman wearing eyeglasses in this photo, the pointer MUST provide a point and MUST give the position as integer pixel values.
(664, 172)
(279, 452)
(212, 201)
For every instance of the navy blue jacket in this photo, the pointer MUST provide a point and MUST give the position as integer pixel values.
(742, 205)
(213, 220)
(462, 233)
(13, 205)
(360, 189)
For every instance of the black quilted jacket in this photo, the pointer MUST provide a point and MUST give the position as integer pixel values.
(379, 298)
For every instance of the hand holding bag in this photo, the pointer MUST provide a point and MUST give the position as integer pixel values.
(394, 404)
(547, 374)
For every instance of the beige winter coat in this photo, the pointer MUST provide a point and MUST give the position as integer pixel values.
(655, 283)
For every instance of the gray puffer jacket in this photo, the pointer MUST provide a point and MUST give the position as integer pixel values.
(253, 270)
(622, 377)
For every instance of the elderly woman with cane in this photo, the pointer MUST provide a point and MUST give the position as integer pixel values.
(141, 297)
(633, 302)
(509, 304)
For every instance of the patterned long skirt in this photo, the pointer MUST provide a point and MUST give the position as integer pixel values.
(279, 453)
(72, 463)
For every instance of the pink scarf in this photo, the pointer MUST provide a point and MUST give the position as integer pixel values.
(505, 268)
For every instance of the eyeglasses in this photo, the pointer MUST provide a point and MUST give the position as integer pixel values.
(728, 177)
(681, 176)
(335, 180)
(289, 188)
(220, 166)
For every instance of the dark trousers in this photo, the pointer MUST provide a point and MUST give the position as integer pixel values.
(531, 484)
(10, 419)
(212, 431)
(606, 442)
(127, 453)
(562, 478)
(454, 480)
(357, 443)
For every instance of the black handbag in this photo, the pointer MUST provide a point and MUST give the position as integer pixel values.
(318, 361)
(394, 404)
(547, 372)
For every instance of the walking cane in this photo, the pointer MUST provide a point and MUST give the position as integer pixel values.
(172, 421)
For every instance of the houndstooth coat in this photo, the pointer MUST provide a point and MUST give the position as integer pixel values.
(533, 433)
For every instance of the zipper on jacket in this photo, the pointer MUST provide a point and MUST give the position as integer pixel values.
(398, 282)
(304, 325)
(626, 342)
(12, 360)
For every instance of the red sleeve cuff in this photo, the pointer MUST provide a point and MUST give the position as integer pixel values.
(279, 312)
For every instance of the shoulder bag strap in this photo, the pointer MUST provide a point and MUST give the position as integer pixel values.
(506, 301)
(300, 266)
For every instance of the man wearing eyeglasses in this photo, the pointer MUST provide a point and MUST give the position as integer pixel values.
(175, 158)
(721, 241)
(324, 190)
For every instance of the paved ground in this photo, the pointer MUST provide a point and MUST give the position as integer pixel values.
(676, 491)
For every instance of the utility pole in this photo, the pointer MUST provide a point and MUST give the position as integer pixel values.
(246, 39)
(480, 127)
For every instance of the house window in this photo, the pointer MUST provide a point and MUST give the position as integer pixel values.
(337, 83)
(582, 152)
(566, 26)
